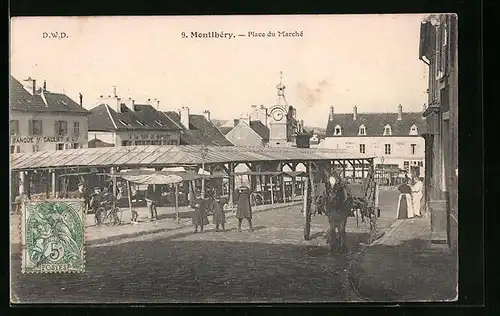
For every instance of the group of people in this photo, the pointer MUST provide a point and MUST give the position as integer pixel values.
(214, 205)
(410, 197)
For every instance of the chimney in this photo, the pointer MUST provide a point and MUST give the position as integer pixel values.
(30, 85)
(44, 85)
(254, 106)
(81, 99)
(355, 113)
(130, 104)
(245, 118)
(206, 113)
(235, 122)
(400, 112)
(184, 114)
(331, 113)
(114, 91)
(117, 103)
(100, 100)
(301, 126)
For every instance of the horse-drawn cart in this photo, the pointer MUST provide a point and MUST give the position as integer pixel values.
(361, 199)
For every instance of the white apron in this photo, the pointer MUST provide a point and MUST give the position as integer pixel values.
(409, 205)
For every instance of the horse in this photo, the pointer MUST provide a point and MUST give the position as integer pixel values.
(338, 207)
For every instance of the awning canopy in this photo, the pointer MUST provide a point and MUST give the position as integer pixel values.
(150, 177)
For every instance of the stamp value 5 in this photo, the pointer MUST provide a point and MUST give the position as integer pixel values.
(53, 236)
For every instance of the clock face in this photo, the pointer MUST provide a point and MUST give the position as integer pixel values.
(278, 115)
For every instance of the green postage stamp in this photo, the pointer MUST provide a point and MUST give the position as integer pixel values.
(53, 236)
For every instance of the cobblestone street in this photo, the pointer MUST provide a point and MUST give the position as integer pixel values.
(272, 264)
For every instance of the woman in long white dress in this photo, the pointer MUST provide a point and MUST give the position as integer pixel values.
(417, 195)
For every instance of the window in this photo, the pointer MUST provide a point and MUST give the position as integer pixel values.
(406, 165)
(413, 130)
(362, 148)
(36, 148)
(413, 148)
(141, 123)
(76, 128)
(124, 123)
(35, 127)
(387, 130)
(60, 147)
(76, 145)
(18, 149)
(14, 127)
(362, 130)
(338, 130)
(158, 122)
(420, 163)
(12, 149)
(61, 128)
(387, 149)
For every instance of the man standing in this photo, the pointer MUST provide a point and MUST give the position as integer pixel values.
(417, 195)
(244, 209)
(152, 199)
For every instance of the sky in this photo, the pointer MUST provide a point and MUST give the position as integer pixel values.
(340, 60)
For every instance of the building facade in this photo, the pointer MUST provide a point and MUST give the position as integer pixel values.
(44, 120)
(248, 133)
(393, 138)
(124, 123)
(439, 50)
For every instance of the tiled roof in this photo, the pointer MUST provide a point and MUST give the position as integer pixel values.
(225, 129)
(260, 129)
(144, 117)
(219, 123)
(375, 123)
(170, 156)
(201, 131)
(41, 101)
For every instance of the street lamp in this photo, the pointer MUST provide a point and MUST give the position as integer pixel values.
(204, 152)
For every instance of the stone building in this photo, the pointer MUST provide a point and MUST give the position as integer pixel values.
(44, 120)
(438, 49)
(117, 122)
(393, 138)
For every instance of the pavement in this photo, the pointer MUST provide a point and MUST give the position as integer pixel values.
(405, 266)
(272, 264)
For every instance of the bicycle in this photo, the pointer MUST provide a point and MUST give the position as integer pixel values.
(110, 216)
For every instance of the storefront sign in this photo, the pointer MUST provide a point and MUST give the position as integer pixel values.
(42, 139)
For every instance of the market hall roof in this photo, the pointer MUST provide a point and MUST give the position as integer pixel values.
(41, 100)
(169, 155)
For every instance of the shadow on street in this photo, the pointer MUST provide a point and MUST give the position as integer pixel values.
(411, 271)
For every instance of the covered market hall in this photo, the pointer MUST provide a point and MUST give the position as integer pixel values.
(275, 174)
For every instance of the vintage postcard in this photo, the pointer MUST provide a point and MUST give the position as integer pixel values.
(234, 159)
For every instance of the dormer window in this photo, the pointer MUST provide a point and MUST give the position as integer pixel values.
(159, 123)
(141, 123)
(337, 131)
(124, 123)
(362, 130)
(414, 130)
(387, 130)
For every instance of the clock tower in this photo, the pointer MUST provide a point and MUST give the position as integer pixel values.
(278, 118)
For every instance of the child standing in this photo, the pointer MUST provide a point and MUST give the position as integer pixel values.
(219, 216)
